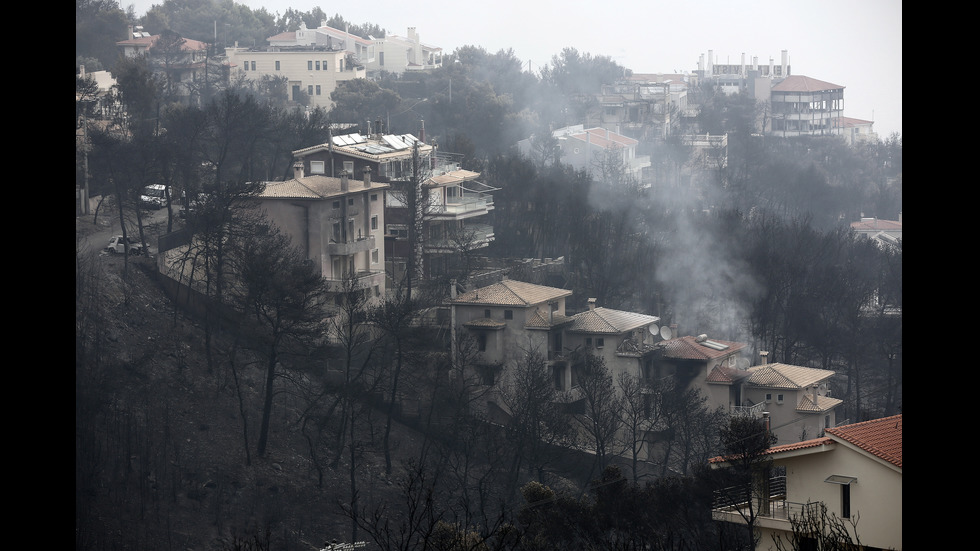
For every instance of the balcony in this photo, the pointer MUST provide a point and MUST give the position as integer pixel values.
(750, 411)
(730, 504)
(359, 245)
(462, 208)
(472, 236)
(362, 280)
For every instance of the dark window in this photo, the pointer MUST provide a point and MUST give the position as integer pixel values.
(486, 313)
(845, 501)
(277, 65)
(508, 314)
(309, 65)
(600, 342)
(482, 341)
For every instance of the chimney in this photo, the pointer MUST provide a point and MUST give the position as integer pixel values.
(764, 356)
(591, 304)
(785, 64)
(673, 330)
(343, 181)
(815, 394)
(765, 420)
(422, 131)
(367, 176)
(298, 169)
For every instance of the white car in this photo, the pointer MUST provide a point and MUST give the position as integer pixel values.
(118, 245)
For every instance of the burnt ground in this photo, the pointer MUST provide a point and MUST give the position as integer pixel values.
(160, 454)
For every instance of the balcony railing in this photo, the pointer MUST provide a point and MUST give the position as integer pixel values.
(749, 411)
(362, 280)
(728, 503)
(358, 245)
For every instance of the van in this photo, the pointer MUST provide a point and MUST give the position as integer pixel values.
(154, 196)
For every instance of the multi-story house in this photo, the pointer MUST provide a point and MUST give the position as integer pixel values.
(361, 49)
(183, 62)
(624, 340)
(510, 318)
(857, 130)
(796, 398)
(337, 222)
(594, 150)
(397, 54)
(854, 470)
(507, 320)
(805, 106)
(311, 72)
(455, 207)
(734, 78)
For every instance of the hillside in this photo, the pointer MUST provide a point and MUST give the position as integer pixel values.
(160, 459)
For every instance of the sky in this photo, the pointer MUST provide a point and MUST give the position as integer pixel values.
(852, 43)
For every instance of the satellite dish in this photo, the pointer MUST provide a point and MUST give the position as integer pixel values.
(665, 333)
(654, 330)
(742, 363)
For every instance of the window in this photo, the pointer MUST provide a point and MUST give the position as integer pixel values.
(374, 256)
(324, 64)
(317, 65)
(350, 202)
(349, 167)
(600, 342)
(508, 314)
(779, 398)
(374, 222)
(768, 397)
(317, 167)
(277, 65)
(374, 196)
(482, 342)
(253, 65)
(318, 89)
(588, 343)
(309, 65)
(341, 65)
(336, 231)
(336, 204)
(245, 66)
(486, 313)
(558, 373)
(309, 90)
(845, 501)
(381, 59)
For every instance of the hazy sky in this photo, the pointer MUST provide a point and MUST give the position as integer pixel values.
(853, 43)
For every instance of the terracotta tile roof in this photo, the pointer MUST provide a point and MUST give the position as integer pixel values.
(823, 403)
(536, 320)
(786, 376)
(880, 437)
(313, 187)
(805, 444)
(188, 45)
(687, 348)
(485, 323)
(511, 292)
(601, 137)
(291, 36)
(725, 374)
(610, 322)
(800, 83)
(875, 224)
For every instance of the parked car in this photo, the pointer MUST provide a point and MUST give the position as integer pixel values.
(118, 245)
(154, 196)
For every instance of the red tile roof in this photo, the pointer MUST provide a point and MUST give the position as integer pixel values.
(686, 348)
(800, 83)
(875, 224)
(816, 442)
(880, 437)
(511, 292)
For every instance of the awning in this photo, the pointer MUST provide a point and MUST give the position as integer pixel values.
(841, 479)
